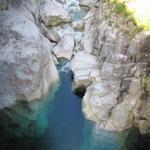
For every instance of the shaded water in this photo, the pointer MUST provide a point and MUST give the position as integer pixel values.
(55, 123)
(67, 125)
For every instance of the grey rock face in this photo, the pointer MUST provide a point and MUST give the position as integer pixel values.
(26, 66)
(114, 98)
(64, 49)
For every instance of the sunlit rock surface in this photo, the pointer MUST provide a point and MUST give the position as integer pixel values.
(64, 49)
(85, 68)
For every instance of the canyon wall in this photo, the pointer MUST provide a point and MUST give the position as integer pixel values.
(27, 68)
(114, 71)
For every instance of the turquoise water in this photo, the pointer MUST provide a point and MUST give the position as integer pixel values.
(77, 15)
(54, 123)
(68, 128)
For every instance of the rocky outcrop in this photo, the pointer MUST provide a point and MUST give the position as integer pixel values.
(27, 67)
(85, 69)
(116, 99)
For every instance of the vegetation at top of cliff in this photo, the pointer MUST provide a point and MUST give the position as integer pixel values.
(147, 84)
(137, 10)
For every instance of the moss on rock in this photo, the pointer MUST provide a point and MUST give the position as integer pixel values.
(147, 84)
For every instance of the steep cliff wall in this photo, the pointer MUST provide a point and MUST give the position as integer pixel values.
(116, 95)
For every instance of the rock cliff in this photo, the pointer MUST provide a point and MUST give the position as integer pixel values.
(27, 69)
(114, 70)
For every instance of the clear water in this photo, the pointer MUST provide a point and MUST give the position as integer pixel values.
(68, 128)
(76, 13)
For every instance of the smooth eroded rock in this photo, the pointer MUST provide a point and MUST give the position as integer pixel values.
(99, 99)
(27, 68)
(64, 49)
(85, 69)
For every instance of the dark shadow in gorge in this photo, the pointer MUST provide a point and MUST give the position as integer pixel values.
(80, 91)
(145, 142)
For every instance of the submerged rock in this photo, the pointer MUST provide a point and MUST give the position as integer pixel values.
(53, 14)
(64, 49)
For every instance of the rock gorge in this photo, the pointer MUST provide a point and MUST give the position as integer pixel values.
(108, 52)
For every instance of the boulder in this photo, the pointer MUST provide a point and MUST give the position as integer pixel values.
(122, 116)
(64, 49)
(85, 69)
(99, 99)
(53, 14)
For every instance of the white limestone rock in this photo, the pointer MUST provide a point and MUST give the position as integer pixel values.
(64, 49)
(27, 68)
(53, 36)
(85, 69)
(98, 101)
